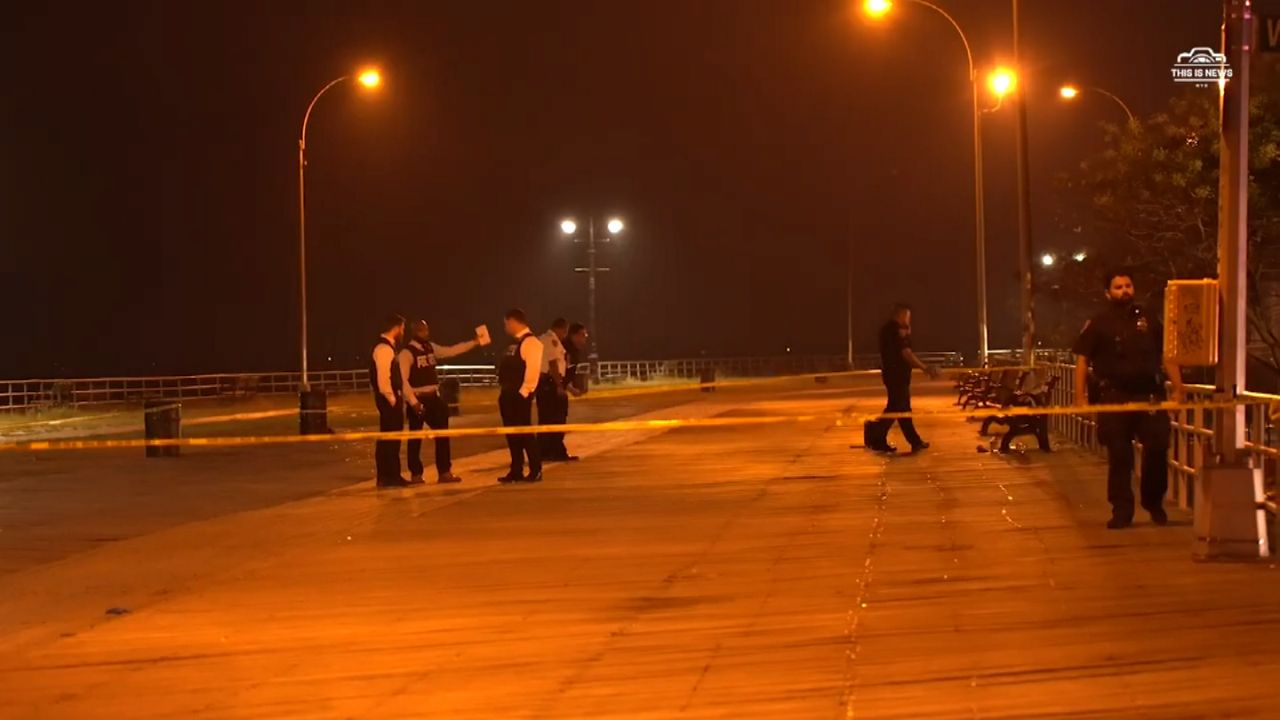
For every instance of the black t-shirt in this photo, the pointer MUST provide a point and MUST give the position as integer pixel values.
(892, 342)
(1124, 346)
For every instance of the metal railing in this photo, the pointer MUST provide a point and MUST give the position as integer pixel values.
(1192, 442)
(613, 370)
(39, 394)
(23, 395)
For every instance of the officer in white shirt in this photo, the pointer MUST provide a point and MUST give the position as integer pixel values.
(518, 379)
(552, 396)
(388, 386)
(422, 393)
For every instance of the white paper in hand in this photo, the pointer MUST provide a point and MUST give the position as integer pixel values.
(482, 335)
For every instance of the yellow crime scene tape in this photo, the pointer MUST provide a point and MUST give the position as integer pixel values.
(839, 419)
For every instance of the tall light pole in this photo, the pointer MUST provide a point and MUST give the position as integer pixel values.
(368, 78)
(1071, 92)
(880, 8)
(570, 228)
(1026, 276)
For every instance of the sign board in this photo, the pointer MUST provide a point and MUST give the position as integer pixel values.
(1268, 33)
(1191, 322)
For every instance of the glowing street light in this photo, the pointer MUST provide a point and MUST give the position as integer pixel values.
(1048, 259)
(1002, 81)
(1071, 92)
(369, 78)
(570, 228)
(1080, 256)
(877, 8)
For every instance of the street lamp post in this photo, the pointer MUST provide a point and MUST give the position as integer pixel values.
(1026, 277)
(570, 228)
(1071, 92)
(878, 8)
(369, 78)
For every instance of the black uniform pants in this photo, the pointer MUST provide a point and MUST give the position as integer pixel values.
(899, 401)
(517, 411)
(386, 453)
(435, 415)
(1118, 431)
(553, 409)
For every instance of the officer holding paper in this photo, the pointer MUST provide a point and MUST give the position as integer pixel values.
(422, 393)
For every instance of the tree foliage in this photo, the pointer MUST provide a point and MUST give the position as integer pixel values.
(1149, 201)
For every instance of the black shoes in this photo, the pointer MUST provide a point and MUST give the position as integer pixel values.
(919, 447)
(1159, 516)
(532, 477)
(393, 482)
(417, 480)
(1118, 523)
(887, 449)
(448, 477)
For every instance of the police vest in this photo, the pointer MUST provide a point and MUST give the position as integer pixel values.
(1129, 358)
(512, 368)
(397, 383)
(422, 373)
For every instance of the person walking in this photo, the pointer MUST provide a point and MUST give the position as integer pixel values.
(388, 389)
(1124, 346)
(518, 374)
(897, 360)
(418, 362)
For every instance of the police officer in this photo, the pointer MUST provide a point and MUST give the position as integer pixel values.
(897, 360)
(518, 379)
(388, 386)
(422, 393)
(552, 395)
(1123, 345)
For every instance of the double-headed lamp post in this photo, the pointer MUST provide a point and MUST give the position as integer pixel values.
(570, 228)
(368, 79)
(1001, 82)
(1071, 92)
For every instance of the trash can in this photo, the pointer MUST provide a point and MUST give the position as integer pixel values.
(162, 420)
(707, 379)
(313, 412)
(451, 394)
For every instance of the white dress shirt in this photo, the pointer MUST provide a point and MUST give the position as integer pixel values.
(552, 353)
(383, 356)
(531, 353)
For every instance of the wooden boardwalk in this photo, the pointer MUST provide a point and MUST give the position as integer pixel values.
(719, 572)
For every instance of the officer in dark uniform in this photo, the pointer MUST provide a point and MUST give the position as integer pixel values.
(897, 360)
(388, 389)
(422, 392)
(1123, 346)
(518, 375)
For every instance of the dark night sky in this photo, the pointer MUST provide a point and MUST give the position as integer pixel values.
(148, 197)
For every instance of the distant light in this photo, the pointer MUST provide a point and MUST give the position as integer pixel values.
(788, 349)
(1047, 260)
(1002, 81)
(1068, 92)
(1080, 256)
(615, 226)
(876, 8)
(370, 78)
(568, 227)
